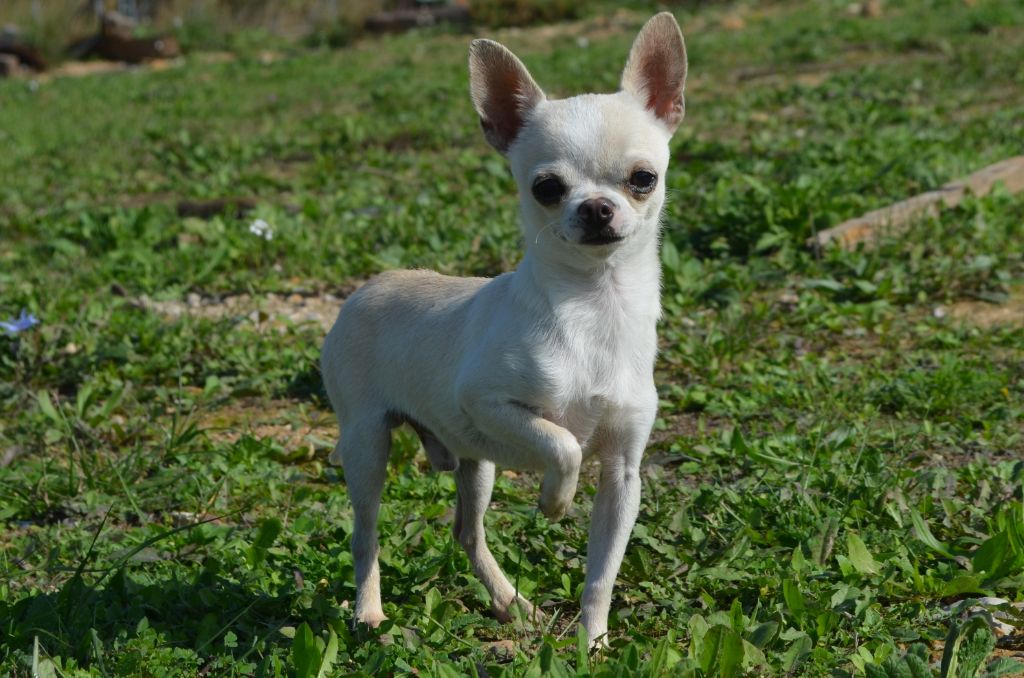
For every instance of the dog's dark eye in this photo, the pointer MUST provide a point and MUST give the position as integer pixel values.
(642, 181)
(548, 189)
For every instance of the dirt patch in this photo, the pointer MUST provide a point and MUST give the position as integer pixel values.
(301, 431)
(682, 425)
(988, 315)
(81, 69)
(268, 312)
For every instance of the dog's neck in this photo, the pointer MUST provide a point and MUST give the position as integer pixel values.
(627, 283)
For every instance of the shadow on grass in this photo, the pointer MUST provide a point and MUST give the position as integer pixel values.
(134, 620)
(307, 384)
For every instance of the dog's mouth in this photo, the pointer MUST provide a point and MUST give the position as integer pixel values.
(601, 238)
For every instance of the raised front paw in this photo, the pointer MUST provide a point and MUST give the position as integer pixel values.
(557, 490)
(553, 506)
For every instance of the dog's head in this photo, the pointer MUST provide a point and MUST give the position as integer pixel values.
(591, 168)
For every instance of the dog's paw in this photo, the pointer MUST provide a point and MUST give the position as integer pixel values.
(518, 609)
(553, 508)
(373, 619)
(556, 495)
(558, 486)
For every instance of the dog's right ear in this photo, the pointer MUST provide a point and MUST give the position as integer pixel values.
(503, 92)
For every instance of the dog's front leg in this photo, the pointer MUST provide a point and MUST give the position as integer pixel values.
(527, 440)
(616, 505)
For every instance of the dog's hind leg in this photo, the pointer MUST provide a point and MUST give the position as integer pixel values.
(474, 481)
(364, 448)
(440, 458)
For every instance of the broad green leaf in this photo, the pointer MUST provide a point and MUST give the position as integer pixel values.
(925, 536)
(763, 633)
(978, 642)
(47, 408)
(330, 654)
(305, 654)
(967, 645)
(1004, 666)
(82, 400)
(798, 562)
(859, 555)
(698, 630)
(732, 653)
(432, 601)
(800, 648)
(897, 667)
(266, 533)
(824, 284)
(918, 667)
(794, 599)
(446, 670)
(736, 616)
(875, 671)
(752, 655)
(964, 583)
(991, 554)
(670, 255)
(582, 651)
(723, 648)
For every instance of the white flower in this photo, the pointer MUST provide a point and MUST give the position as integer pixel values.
(261, 229)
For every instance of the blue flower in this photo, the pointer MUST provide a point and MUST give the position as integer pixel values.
(24, 322)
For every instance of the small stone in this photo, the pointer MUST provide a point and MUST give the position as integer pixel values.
(733, 22)
(501, 649)
(194, 300)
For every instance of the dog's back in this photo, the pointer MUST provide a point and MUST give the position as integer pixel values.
(384, 322)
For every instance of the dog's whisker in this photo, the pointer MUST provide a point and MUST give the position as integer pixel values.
(546, 227)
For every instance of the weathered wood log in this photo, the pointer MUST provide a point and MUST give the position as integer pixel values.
(9, 65)
(116, 41)
(207, 209)
(896, 217)
(27, 56)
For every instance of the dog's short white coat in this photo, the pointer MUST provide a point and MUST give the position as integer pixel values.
(538, 368)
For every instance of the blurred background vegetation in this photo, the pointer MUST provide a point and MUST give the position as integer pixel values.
(249, 24)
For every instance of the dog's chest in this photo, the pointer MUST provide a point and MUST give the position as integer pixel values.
(598, 365)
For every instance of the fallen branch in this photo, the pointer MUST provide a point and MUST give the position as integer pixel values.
(896, 217)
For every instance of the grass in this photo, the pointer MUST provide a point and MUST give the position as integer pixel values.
(836, 471)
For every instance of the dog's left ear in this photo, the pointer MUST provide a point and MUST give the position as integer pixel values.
(656, 70)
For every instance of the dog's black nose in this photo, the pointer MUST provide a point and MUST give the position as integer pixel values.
(596, 213)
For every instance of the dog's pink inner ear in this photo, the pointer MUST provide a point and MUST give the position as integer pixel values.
(664, 95)
(504, 116)
(656, 71)
(503, 92)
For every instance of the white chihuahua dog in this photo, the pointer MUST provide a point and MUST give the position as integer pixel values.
(542, 367)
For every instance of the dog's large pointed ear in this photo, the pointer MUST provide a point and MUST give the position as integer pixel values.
(503, 91)
(656, 70)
